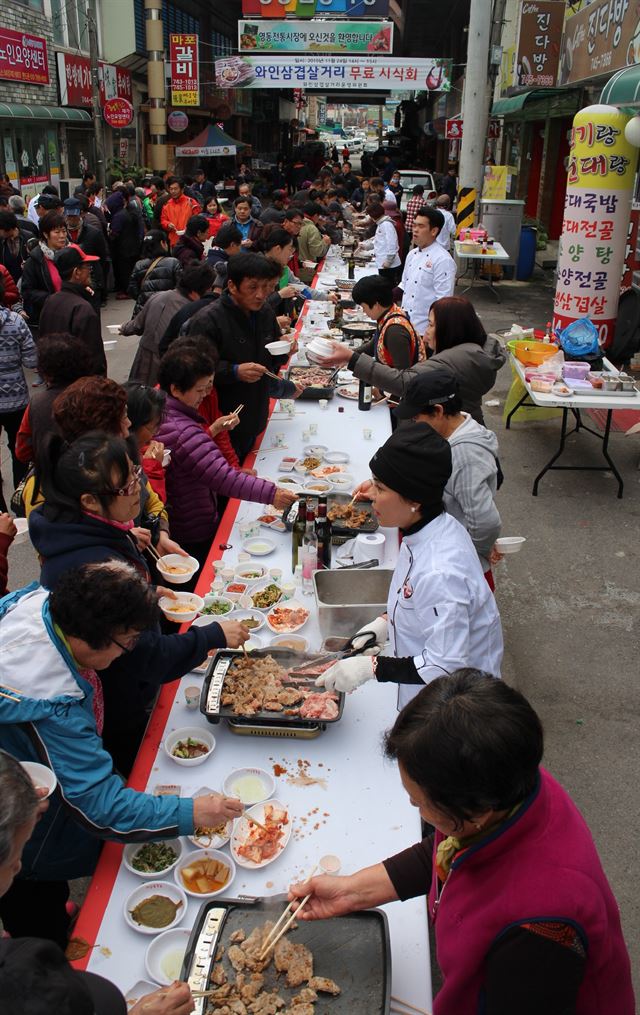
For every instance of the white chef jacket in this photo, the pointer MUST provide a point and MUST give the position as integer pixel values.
(384, 244)
(429, 274)
(448, 230)
(441, 610)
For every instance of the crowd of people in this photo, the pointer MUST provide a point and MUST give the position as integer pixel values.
(112, 476)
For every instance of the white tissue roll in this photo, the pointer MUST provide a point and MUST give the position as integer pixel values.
(368, 546)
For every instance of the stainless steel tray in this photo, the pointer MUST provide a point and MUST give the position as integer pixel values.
(347, 600)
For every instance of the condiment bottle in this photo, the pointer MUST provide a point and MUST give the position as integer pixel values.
(309, 554)
(323, 533)
(297, 532)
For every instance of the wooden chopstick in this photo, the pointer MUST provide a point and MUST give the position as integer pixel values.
(8, 687)
(9, 697)
(266, 945)
(254, 822)
(152, 550)
(405, 1004)
(268, 373)
(274, 941)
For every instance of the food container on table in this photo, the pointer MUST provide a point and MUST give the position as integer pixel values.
(165, 954)
(626, 383)
(293, 625)
(580, 386)
(259, 546)
(295, 642)
(359, 331)
(133, 848)
(189, 606)
(317, 390)
(233, 590)
(189, 733)
(532, 373)
(315, 450)
(510, 544)
(204, 854)
(251, 785)
(317, 487)
(543, 387)
(575, 370)
(143, 892)
(255, 590)
(264, 722)
(250, 574)
(349, 599)
(250, 615)
(217, 606)
(532, 354)
(356, 955)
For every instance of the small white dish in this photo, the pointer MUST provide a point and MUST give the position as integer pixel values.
(510, 544)
(189, 600)
(213, 603)
(259, 546)
(317, 450)
(251, 785)
(133, 848)
(250, 574)
(114, 329)
(165, 955)
(255, 614)
(290, 604)
(198, 733)
(290, 483)
(242, 829)
(110, 344)
(295, 642)
(138, 991)
(204, 854)
(41, 776)
(175, 560)
(342, 481)
(255, 641)
(165, 888)
(255, 590)
(280, 348)
(317, 487)
(214, 841)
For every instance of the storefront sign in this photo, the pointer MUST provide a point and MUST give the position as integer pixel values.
(541, 23)
(315, 36)
(23, 57)
(178, 120)
(123, 149)
(601, 173)
(185, 81)
(75, 86)
(454, 129)
(353, 72)
(599, 40)
(495, 183)
(313, 8)
(118, 112)
(631, 264)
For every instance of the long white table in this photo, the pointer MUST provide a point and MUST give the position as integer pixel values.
(359, 811)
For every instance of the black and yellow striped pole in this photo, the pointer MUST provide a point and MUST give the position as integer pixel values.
(466, 209)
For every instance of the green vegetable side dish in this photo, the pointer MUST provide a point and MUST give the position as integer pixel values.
(268, 596)
(189, 748)
(156, 911)
(217, 608)
(250, 622)
(154, 857)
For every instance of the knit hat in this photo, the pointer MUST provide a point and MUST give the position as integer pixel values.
(415, 462)
(436, 385)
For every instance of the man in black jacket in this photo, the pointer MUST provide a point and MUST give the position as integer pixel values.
(241, 324)
(91, 240)
(202, 188)
(13, 244)
(71, 310)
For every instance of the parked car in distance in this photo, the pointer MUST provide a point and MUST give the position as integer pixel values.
(409, 178)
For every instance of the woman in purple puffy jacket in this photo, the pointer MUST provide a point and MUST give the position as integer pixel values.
(198, 472)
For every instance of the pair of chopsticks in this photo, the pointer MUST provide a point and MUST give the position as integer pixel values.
(404, 1008)
(10, 697)
(236, 412)
(151, 550)
(275, 934)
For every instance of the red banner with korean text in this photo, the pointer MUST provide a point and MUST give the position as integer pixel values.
(23, 57)
(74, 81)
(185, 80)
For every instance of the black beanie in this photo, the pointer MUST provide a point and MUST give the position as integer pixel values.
(415, 462)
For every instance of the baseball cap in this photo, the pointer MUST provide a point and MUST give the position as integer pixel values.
(435, 385)
(72, 257)
(71, 206)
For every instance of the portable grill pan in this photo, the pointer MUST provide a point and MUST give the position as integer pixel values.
(313, 392)
(290, 725)
(353, 950)
(341, 531)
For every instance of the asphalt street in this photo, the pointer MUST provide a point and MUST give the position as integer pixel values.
(570, 601)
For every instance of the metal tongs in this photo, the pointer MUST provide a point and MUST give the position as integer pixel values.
(364, 565)
(370, 640)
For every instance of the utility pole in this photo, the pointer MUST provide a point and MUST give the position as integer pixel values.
(475, 112)
(98, 125)
(157, 147)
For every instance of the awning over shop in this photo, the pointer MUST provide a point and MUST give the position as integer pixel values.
(55, 114)
(516, 103)
(623, 89)
(209, 142)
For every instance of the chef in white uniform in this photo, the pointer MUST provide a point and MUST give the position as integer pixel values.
(429, 271)
(441, 614)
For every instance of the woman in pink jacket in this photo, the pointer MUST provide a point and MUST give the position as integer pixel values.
(198, 472)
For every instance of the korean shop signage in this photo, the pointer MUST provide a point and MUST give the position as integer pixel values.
(599, 40)
(315, 36)
(185, 80)
(313, 8)
(541, 24)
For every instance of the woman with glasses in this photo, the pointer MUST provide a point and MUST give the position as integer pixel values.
(91, 497)
(40, 277)
(145, 408)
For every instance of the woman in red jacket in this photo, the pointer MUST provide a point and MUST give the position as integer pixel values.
(215, 216)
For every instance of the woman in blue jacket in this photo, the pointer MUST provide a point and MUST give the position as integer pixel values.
(52, 645)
